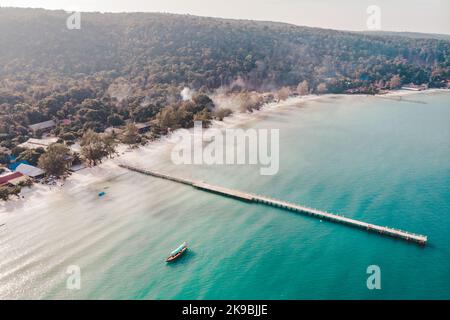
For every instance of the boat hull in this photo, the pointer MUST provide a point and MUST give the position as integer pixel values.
(175, 257)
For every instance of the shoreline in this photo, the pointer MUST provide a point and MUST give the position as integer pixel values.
(154, 150)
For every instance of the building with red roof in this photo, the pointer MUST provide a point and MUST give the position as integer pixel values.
(9, 178)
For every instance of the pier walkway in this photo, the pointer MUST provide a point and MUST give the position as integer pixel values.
(248, 197)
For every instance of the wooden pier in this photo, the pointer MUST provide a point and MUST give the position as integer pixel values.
(248, 197)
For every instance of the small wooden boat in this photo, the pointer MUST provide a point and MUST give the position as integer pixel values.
(175, 254)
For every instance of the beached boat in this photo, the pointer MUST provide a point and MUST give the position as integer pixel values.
(175, 254)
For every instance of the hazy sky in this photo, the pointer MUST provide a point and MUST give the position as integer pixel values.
(431, 16)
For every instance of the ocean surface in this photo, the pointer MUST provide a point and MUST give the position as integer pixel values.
(377, 159)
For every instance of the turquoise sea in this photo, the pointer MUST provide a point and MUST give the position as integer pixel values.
(380, 160)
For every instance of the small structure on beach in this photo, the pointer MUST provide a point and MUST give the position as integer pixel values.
(12, 179)
(30, 171)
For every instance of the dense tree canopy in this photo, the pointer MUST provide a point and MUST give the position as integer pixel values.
(148, 53)
(56, 160)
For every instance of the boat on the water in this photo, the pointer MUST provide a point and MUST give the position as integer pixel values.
(175, 254)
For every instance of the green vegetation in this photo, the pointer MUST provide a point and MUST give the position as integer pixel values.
(7, 191)
(221, 113)
(96, 146)
(4, 159)
(56, 160)
(131, 135)
(31, 155)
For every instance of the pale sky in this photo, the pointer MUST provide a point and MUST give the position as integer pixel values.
(428, 16)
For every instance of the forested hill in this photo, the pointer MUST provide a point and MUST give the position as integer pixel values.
(151, 49)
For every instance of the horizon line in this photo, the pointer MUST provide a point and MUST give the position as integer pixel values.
(228, 18)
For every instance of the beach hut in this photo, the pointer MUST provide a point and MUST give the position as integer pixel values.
(12, 178)
(30, 171)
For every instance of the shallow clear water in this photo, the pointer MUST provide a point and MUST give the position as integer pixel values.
(378, 160)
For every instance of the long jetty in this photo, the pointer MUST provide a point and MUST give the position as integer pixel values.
(401, 99)
(248, 197)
